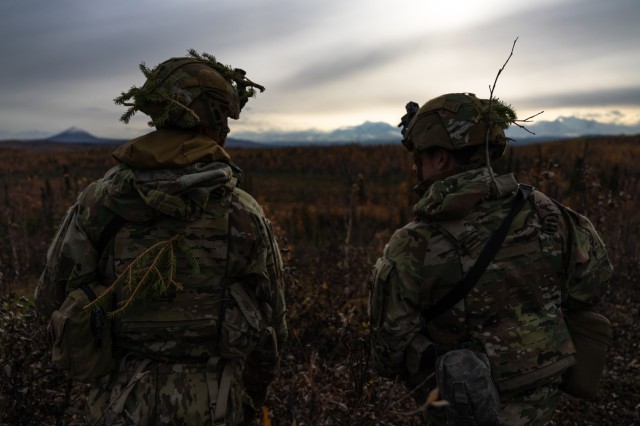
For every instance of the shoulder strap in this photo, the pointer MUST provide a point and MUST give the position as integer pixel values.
(469, 281)
(109, 232)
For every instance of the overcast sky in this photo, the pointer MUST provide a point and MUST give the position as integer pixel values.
(325, 63)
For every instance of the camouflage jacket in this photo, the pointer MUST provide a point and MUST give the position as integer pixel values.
(177, 183)
(551, 259)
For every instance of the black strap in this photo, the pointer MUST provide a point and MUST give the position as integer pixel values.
(88, 291)
(109, 232)
(98, 318)
(488, 253)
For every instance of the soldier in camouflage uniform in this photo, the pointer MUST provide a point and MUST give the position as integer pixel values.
(551, 260)
(205, 351)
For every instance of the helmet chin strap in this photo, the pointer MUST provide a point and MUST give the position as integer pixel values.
(417, 160)
(218, 134)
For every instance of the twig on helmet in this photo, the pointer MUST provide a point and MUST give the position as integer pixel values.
(524, 128)
(491, 89)
(490, 122)
(186, 108)
(238, 76)
(526, 120)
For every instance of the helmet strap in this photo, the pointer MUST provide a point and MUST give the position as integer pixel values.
(417, 160)
(218, 134)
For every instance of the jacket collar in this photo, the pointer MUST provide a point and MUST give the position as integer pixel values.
(170, 148)
(453, 197)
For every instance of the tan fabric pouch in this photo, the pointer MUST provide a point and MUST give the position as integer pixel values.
(82, 336)
(591, 335)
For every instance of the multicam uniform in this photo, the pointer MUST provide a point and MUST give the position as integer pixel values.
(214, 342)
(552, 258)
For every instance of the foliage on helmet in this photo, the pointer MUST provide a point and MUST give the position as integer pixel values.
(497, 113)
(167, 102)
(458, 120)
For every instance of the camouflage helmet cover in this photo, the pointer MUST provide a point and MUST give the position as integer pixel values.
(189, 91)
(454, 121)
(196, 86)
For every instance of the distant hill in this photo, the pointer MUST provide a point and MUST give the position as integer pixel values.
(74, 134)
(242, 143)
(80, 137)
(373, 133)
(75, 137)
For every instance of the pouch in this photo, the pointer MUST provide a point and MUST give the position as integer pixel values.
(82, 335)
(464, 380)
(591, 335)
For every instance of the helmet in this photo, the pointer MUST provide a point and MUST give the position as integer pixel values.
(456, 121)
(201, 95)
(189, 91)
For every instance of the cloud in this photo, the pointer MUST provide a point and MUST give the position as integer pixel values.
(344, 64)
(329, 61)
(626, 96)
(69, 40)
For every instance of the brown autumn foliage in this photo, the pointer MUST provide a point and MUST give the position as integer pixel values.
(334, 209)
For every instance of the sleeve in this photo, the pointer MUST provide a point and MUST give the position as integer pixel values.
(394, 306)
(71, 262)
(588, 267)
(72, 258)
(262, 364)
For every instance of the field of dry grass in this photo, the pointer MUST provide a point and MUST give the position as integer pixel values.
(333, 208)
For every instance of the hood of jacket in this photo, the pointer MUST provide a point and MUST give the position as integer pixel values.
(167, 172)
(454, 197)
(170, 148)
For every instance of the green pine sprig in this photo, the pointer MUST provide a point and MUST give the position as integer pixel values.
(150, 274)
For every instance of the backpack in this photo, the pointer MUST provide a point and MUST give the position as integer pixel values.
(82, 335)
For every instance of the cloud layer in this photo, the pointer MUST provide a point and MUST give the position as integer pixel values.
(325, 64)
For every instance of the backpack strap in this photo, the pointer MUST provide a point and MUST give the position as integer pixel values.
(120, 392)
(109, 232)
(219, 389)
(463, 287)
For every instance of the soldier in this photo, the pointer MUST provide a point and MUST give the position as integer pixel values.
(510, 326)
(196, 320)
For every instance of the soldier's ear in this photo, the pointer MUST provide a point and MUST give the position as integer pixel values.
(443, 160)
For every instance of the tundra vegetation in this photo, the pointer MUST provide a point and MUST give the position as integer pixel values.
(333, 209)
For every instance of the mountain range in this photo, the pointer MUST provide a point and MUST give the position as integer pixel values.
(371, 133)
(383, 133)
